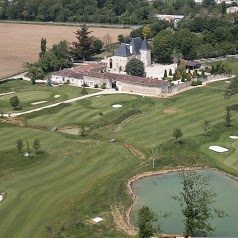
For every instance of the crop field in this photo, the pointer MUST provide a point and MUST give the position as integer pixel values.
(28, 93)
(82, 177)
(21, 42)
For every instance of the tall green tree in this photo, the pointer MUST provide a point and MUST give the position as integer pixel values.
(163, 46)
(145, 220)
(35, 72)
(196, 200)
(43, 46)
(206, 127)
(19, 146)
(36, 144)
(14, 101)
(177, 133)
(135, 67)
(228, 117)
(83, 47)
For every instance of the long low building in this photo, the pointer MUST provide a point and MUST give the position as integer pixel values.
(96, 76)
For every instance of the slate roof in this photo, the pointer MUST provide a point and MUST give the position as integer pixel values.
(144, 45)
(136, 45)
(136, 80)
(123, 51)
(91, 67)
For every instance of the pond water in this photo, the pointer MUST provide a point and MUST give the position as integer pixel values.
(157, 191)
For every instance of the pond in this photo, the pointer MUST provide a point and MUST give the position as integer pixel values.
(157, 191)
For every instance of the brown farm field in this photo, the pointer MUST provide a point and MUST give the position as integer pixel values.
(21, 42)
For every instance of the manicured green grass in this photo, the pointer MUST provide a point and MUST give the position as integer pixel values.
(73, 172)
(28, 93)
(233, 63)
(90, 173)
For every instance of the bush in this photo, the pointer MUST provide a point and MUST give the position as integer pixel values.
(100, 114)
(194, 83)
(84, 84)
(104, 86)
(96, 86)
(84, 91)
(199, 82)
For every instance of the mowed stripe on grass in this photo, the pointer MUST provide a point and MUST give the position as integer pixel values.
(38, 194)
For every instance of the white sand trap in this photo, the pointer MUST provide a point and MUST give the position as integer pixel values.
(1, 198)
(117, 105)
(233, 137)
(56, 96)
(35, 103)
(97, 219)
(26, 154)
(217, 148)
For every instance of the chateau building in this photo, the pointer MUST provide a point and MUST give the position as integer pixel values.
(137, 48)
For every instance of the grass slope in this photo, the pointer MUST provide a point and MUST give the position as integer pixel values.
(89, 173)
(28, 93)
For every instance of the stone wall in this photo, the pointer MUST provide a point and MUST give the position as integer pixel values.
(134, 88)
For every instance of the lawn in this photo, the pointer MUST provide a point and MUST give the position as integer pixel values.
(89, 172)
(231, 62)
(28, 93)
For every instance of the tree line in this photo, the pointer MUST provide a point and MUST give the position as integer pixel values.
(103, 11)
(193, 38)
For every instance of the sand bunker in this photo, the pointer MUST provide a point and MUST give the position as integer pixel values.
(233, 137)
(26, 154)
(97, 219)
(116, 105)
(1, 198)
(170, 111)
(56, 96)
(217, 148)
(35, 103)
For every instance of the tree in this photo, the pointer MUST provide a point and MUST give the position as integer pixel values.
(35, 72)
(165, 73)
(135, 67)
(84, 91)
(97, 46)
(107, 40)
(196, 199)
(206, 127)
(170, 72)
(36, 144)
(228, 117)
(163, 46)
(144, 222)
(42, 46)
(177, 133)
(146, 31)
(125, 19)
(14, 101)
(83, 48)
(232, 89)
(19, 146)
(28, 149)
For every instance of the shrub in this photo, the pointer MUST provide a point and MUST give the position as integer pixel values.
(84, 91)
(194, 83)
(100, 114)
(96, 86)
(84, 84)
(104, 86)
(199, 82)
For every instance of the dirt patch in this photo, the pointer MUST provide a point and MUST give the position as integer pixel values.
(14, 50)
(16, 121)
(170, 111)
(121, 223)
(135, 152)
